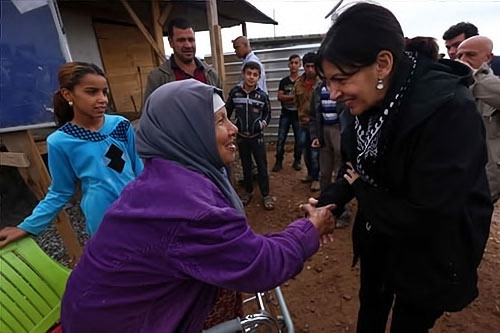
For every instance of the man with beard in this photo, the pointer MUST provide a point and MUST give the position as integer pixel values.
(183, 63)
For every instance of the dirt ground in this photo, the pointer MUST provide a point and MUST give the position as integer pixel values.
(323, 297)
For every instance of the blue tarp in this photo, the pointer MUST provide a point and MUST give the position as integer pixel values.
(30, 57)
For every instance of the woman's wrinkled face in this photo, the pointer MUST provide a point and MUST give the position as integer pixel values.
(225, 136)
(355, 87)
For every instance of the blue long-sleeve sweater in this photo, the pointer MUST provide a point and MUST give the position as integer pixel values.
(103, 161)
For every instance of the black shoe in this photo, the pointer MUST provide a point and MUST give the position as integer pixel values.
(277, 167)
(296, 166)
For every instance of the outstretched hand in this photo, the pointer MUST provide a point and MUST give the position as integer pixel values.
(10, 234)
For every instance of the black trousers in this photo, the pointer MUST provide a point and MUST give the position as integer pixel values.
(255, 147)
(377, 297)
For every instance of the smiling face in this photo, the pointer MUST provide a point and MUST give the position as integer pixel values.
(89, 96)
(183, 43)
(356, 89)
(225, 136)
(250, 78)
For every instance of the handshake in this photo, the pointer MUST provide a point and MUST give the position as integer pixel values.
(322, 219)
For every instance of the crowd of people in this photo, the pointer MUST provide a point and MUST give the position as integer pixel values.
(376, 117)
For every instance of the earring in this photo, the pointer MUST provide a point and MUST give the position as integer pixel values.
(70, 103)
(380, 84)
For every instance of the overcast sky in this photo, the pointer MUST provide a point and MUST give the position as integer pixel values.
(417, 18)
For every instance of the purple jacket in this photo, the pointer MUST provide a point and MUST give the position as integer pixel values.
(163, 250)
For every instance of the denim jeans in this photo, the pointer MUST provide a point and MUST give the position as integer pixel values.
(311, 155)
(286, 120)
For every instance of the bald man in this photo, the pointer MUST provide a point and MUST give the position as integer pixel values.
(244, 51)
(477, 52)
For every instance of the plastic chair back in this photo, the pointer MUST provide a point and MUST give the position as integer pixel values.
(31, 288)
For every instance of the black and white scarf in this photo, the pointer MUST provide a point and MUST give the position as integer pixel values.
(368, 133)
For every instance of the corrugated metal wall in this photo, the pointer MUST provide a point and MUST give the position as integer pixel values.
(275, 62)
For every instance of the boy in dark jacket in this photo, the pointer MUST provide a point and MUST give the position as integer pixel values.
(252, 112)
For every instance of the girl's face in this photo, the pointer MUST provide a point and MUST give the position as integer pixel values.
(89, 96)
(225, 135)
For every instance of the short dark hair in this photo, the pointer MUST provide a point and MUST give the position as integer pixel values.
(293, 56)
(466, 28)
(359, 34)
(426, 46)
(309, 57)
(179, 23)
(251, 65)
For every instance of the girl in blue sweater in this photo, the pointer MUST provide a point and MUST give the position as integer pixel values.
(91, 147)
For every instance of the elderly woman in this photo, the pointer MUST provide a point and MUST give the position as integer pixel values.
(178, 233)
(415, 150)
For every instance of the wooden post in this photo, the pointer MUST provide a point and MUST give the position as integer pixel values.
(144, 30)
(157, 28)
(38, 180)
(167, 10)
(244, 29)
(215, 39)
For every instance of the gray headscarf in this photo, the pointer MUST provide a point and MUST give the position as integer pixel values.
(178, 125)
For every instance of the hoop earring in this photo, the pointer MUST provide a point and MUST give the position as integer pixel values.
(380, 84)
(70, 103)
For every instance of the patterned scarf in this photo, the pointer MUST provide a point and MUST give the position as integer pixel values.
(370, 146)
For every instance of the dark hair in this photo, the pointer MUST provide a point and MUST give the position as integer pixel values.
(251, 65)
(309, 57)
(466, 28)
(426, 46)
(179, 23)
(359, 34)
(69, 76)
(293, 56)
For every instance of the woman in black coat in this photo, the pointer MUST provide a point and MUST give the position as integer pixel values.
(415, 146)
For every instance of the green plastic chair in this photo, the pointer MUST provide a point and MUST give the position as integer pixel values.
(31, 288)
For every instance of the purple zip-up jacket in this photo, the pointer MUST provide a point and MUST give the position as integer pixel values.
(163, 250)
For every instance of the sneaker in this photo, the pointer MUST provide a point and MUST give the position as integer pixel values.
(315, 186)
(277, 167)
(296, 166)
(306, 179)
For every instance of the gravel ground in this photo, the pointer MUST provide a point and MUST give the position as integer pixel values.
(17, 202)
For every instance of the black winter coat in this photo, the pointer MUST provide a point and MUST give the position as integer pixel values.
(431, 218)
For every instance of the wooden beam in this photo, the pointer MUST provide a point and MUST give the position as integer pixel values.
(165, 13)
(18, 160)
(42, 147)
(215, 38)
(244, 29)
(157, 28)
(143, 29)
(38, 180)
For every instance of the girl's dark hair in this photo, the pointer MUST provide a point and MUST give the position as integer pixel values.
(426, 46)
(359, 34)
(69, 76)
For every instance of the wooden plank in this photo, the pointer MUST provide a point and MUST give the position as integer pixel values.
(38, 180)
(42, 147)
(127, 65)
(157, 28)
(144, 30)
(18, 160)
(165, 13)
(219, 54)
(215, 38)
